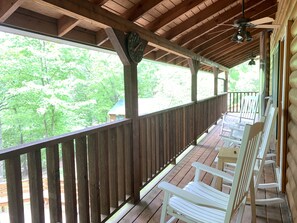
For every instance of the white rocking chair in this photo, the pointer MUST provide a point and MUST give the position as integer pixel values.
(199, 202)
(247, 115)
(261, 160)
(236, 131)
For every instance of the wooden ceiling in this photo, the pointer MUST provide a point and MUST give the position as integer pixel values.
(175, 29)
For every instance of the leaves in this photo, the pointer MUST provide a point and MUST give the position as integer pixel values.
(47, 89)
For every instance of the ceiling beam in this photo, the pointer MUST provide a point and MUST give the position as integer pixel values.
(199, 17)
(230, 62)
(7, 7)
(172, 14)
(66, 24)
(204, 42)
(240, 51)
(139, 9)
(99, 16)
(101, 37)
(224, 46)
(227, 17)
(98, 2)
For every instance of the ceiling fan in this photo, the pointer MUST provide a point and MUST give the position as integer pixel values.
(243, 23)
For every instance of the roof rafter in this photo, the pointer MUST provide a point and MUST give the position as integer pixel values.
(199, 17)
(98, 2)
(65, 24)
(84, 11)
(172, 14)
(228, 16)
(7, 7)
(203, 42)
(139, 9)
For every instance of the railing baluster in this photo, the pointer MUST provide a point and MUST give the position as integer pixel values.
(82, 179)
(69, 181)
(54, 188)
(128, 159)
(161, 141)
(158, 143)
(94, 178)
(14, 190)
(36, 187)
(112, 163)
(149, 148)
(103, 174)
(121, 164)
(143, 155)
(153, 144)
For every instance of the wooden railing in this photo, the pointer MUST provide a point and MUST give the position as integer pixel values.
(96, 164)
(234, 99)
(165, 135)
(96, 167)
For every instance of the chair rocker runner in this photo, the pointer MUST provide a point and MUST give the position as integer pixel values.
(247, 115)
(199, 202)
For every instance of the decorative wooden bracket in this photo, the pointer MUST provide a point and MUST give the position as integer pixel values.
(127, 51)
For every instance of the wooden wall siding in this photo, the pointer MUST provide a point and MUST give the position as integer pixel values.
(165, 135)
(291, 187)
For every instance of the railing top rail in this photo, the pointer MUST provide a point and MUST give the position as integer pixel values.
(242, 92)
(180, 106)
(165, 110)
(32, 146)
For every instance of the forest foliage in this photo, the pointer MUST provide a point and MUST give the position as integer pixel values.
(47, 89)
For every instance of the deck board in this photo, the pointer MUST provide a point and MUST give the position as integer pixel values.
(149, 208)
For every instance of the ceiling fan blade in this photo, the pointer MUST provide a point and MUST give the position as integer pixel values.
(267, 26)
(262, 21)
(215, 32)
(222, 24)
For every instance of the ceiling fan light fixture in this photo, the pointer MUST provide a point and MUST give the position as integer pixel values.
(248, 36)
(237, 37)
(234, 37)
(252, 62)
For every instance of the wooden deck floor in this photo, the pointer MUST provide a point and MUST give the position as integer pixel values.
(148, 210)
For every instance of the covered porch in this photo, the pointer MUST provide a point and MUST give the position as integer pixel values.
(92, 173)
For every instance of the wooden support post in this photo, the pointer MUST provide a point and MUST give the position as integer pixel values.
(194, 67)
(285, 112)
(264, 69)
(215, 79)
(226, 81)
(118, 40)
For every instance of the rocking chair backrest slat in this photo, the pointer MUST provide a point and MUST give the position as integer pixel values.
(249, 106)
(269, 125)
(244, 166)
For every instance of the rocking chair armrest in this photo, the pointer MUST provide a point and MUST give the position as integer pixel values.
(213, 171)
(228, 139)
(269, 155)
(186, 195)
(237, 127)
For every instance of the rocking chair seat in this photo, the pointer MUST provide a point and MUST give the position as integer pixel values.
(198, 213)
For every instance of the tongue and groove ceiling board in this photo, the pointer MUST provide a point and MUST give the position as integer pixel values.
(188, 26)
